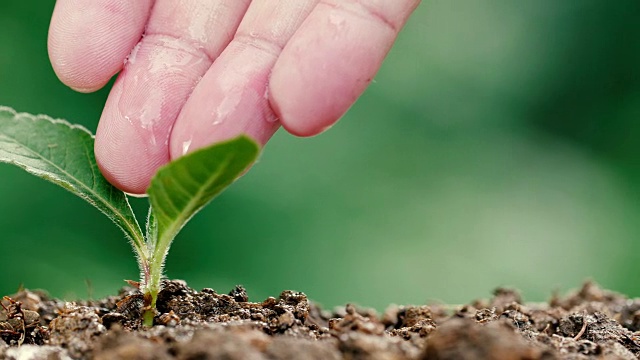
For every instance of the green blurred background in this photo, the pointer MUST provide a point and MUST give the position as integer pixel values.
(498, 145)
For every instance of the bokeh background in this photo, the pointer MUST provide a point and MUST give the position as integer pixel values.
(497, 146)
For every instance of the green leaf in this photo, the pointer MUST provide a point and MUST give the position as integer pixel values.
(63, 154)
(183, 187)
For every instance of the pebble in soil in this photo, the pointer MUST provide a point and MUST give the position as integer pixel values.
(589, 324)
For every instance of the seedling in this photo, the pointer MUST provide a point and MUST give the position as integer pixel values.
(62, 153)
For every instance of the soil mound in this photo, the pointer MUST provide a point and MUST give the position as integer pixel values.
(589, 324)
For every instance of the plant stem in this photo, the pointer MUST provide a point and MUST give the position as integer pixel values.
(150, 289)
(147, 318)
(149, 308)
(153, 276)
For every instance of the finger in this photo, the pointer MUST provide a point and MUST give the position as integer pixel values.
(182, 39)
(88, 40)
(232, 97)
(331, 59)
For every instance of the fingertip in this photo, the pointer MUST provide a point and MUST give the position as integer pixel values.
(87, 90)
(132, 140)
(127, 153)
(112, 171)
(306, 101)
(230, 100)
(297, 119)
(112, 151)
(131, 177)
(331, 60)
(214, 114)
(136, 189)
(88, 41)
(72, 71)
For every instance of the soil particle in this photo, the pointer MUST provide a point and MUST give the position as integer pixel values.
(590, 323)
(461, 338)
(217, 344)
(118, 344)
(34, 352)
(20, 326)
(76, 329)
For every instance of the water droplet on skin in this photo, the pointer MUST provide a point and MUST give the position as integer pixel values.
(172, 55)
(206, 19)
(337, 20)
(185, 146)
(131, 59)
(153, 139)
(270, 117)
(144, 114)
(227, 106)
(338, 23)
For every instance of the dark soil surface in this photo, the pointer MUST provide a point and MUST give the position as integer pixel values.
(589, 324)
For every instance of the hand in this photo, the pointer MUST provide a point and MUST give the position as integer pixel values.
(194, 72)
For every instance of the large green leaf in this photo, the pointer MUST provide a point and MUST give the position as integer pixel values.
(183, 187)
(63, 154)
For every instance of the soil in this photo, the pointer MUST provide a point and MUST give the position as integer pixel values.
(589, 324)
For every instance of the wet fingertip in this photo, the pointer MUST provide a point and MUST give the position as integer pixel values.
(294, 119)
(302, 130)
(179, 143)
(117, 174)
(135, 188)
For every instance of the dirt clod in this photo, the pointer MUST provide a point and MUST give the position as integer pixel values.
(589, 324)
(460, 339)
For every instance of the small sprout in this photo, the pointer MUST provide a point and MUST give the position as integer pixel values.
(62, 153)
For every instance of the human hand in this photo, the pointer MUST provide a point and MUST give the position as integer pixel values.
(195, 72)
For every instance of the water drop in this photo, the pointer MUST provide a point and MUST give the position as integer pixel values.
(185, 146)
(337, 20)
(131, 59)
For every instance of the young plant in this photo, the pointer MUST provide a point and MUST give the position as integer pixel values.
(62, 153)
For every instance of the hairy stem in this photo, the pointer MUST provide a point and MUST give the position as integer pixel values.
(149, 308)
